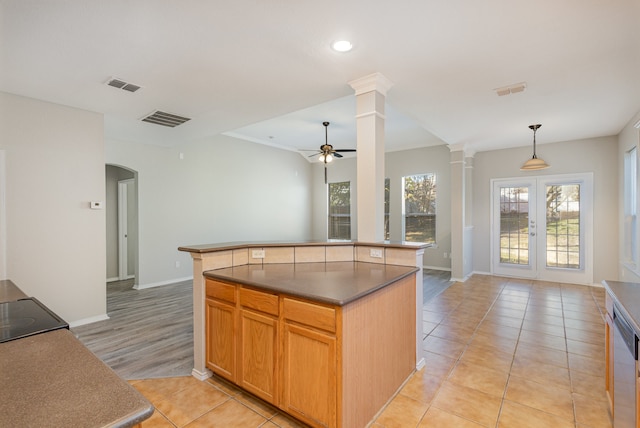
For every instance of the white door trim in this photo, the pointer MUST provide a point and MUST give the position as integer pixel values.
(123, 232)
(539, 270)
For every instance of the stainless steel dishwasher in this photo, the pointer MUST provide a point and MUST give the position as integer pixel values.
(625, 355)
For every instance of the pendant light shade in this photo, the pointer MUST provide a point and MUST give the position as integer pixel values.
(535, 162)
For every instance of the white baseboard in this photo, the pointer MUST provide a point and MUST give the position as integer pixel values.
(114, 279)
(161, 283)
(200, 375)
(89, 320)
(437, 268)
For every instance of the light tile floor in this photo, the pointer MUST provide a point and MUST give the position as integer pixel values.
(499, 353)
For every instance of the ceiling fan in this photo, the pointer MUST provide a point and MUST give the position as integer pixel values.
(327, 152)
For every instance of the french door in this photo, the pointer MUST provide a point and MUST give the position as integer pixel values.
(542, 228)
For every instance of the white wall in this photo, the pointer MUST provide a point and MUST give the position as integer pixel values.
(628, 138)
(597, 155)
(397, 165)
(224, 189)
(54, 168)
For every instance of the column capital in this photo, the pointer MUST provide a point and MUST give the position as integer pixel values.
(372, 82)
(462, 147)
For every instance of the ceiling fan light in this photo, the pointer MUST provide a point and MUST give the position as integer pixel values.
(326, 158)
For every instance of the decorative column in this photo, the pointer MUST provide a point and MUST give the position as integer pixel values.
(370, 92)
(458, 183)
(461, 213)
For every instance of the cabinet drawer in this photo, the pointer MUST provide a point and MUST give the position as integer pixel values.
(221, 290)
(310, 314)
(260, 301)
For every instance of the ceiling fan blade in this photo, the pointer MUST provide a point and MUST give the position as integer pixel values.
(345, 150)
(314, 154)
(336, 154)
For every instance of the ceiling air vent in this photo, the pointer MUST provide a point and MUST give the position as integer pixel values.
(511, 89)
(165, 119)
(121, 84)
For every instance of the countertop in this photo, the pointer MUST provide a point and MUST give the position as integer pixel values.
(52, 380)
(9, 292)
(626, 295)
(206, 248)
(336, 283)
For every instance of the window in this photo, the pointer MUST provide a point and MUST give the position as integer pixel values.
(387, 191)
(339, 210)
(514, 225)
(563, 226)
(420, 208)
(630, 207)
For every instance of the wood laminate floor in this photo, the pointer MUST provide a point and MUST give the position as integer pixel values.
(149, 333)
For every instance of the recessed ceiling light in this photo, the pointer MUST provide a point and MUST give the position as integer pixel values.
(342, 46)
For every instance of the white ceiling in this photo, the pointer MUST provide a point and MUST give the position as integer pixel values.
(263, 69)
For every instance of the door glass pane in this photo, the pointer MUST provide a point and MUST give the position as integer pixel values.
(563, 226)
(514, 225)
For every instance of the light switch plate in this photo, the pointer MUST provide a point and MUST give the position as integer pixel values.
(257, 254)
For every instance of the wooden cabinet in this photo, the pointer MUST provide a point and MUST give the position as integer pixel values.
(313, 360)
(310, 362)
(242, 337)
(220, 329)
(608, 353)
(258, 351)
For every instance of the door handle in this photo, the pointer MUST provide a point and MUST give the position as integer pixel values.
(533, 234)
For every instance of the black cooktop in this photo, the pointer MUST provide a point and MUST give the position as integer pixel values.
(26, 317)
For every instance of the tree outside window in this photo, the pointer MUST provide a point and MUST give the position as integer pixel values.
(339, 210)
(420, 208)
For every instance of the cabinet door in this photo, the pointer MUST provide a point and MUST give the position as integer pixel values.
(221, 338)
(309, 375)
(608, 356)
(257, 358)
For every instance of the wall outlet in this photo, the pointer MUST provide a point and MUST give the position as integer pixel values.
(257, 254)
(446, 255)
(177, 264)
(375, 253)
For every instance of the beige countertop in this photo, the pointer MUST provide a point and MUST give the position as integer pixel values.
(53, 380)
(206, 248)
(9, 292)
(336, 283)
(626, 295)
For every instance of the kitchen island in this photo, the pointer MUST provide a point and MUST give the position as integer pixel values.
(52, 380)
(324, 331)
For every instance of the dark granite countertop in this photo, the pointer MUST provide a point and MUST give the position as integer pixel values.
(336, 283)
(626, 295)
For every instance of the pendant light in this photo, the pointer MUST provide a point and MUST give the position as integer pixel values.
(534, 163)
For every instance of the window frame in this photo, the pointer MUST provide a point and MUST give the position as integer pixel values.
(432, 211)
(337, 216)
(630, 220)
